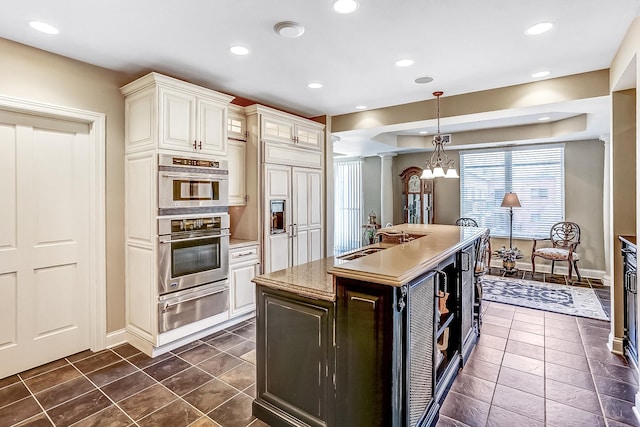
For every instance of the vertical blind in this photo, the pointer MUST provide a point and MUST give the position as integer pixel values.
(536, 175)
(348, 213)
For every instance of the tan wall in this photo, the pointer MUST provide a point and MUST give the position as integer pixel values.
(584, 172)
(36, 75)
(624, 74)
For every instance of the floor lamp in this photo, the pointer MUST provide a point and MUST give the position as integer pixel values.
(510, 201)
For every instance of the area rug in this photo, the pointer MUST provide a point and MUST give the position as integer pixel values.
(563, 299)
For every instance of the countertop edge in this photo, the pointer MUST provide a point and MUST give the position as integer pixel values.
(295, 289)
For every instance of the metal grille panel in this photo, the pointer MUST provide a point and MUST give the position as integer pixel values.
(421, 301)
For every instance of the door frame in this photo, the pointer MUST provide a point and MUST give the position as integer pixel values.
(97, 220)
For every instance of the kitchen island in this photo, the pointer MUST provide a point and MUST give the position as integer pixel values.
(370, 338)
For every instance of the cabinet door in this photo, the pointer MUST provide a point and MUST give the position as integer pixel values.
(237, 182)
(307, 215)
(467, 292)
(295, 359)
(300, 216)
(177, 120)
(276, 129)
(365, 342)
(308, 136)
(236, 126)
(242, 293)
(212, 127)
(277, 246)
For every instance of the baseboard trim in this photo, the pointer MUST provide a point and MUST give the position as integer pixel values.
(616, 344)
(116, 338)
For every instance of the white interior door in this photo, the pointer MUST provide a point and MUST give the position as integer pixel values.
(44, 240)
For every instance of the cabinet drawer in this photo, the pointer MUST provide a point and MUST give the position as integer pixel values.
(246, 253)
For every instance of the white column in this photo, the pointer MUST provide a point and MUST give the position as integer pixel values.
(386, 188)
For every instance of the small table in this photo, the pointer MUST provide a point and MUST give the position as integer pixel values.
(508, 265)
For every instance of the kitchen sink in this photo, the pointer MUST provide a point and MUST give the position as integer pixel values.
(359, 254)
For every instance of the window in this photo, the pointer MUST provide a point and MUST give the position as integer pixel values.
(348, 205)
(535, 174)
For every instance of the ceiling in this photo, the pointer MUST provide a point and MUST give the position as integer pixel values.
(466, 46)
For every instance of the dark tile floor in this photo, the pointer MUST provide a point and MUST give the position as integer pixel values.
(210, 382)
(537, 368)
(530, 368)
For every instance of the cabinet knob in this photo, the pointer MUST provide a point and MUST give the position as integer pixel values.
(195, 144)
(200, 145)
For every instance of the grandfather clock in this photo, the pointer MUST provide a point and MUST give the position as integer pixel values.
(417, 197)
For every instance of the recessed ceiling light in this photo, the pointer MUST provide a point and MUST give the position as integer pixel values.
(314, 85)
(424, 79)
(404, 63)
(539, 28)
(289, 29)
(43, 27)
(345, 6)
(542, 119)
(361, 107)
(239, 50)
(540, 74)
(423, 132)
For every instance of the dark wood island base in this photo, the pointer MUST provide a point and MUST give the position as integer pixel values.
(376, 342)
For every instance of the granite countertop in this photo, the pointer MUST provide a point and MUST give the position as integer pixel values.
(309, 280)
(239, 243)
(396, 265)
(405, 261)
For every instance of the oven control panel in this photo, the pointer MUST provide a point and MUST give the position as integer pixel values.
(195, 224)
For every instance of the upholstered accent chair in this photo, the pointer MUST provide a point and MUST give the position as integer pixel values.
(466, 222)
(565, 238)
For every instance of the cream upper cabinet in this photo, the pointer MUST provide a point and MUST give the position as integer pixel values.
(236, 123)
(236, 153)
(289, 129)
(277, 129)
(192, 123)
(171, 114)
(308, 136)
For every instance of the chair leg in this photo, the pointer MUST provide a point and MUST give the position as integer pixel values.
(570, 271)
(533, 265)
(575, 265)
(553, 265)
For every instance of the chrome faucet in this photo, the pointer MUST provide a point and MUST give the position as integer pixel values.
(400, 235)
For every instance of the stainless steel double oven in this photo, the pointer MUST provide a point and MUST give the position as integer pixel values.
(193, 240)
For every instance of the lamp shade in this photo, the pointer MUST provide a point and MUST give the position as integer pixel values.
(438, 172)
(451, 173)
(427, 174)
(510, 201)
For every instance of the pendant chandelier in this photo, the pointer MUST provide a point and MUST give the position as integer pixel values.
(439, 165)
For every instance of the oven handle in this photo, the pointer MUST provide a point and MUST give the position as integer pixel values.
(197, 177)
(196, 238)
(169, 305)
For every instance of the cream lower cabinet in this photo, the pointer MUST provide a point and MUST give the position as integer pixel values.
(295, 236)
(243, 267)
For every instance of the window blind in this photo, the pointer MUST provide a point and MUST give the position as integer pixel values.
(348, 205)
(535, 174)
